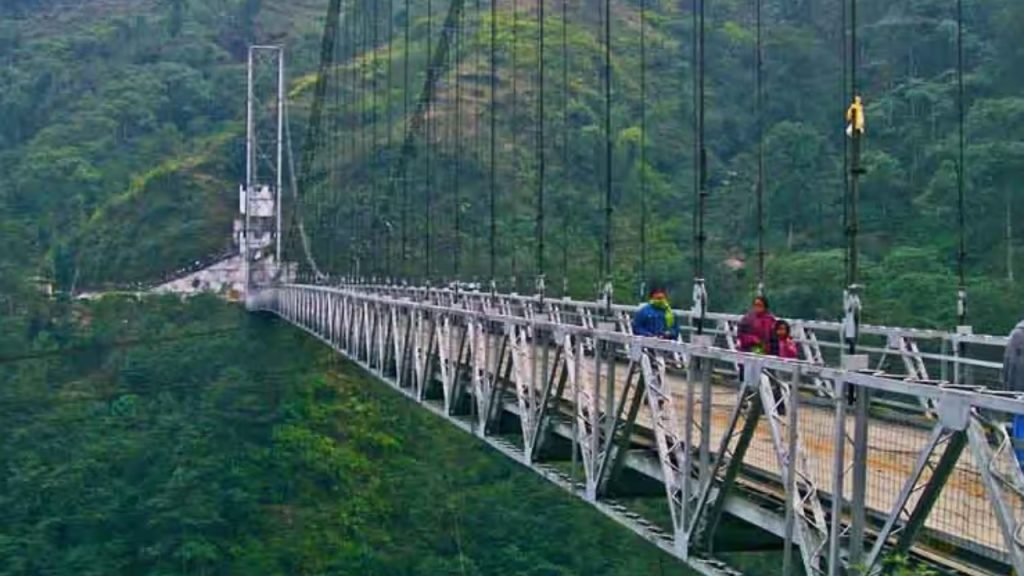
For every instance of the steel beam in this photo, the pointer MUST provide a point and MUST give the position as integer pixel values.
(732, 445)
(1004, 484)
(508, 349)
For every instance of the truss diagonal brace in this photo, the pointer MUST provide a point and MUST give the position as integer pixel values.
(618, 430)
(619, 446)
(917, 513)
(732, 469)
(1003, 480)
(803, 505)
(672, 449)
(729, 459)
(543, 407)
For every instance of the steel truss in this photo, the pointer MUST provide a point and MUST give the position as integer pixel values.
(921, 354)
(473, 360)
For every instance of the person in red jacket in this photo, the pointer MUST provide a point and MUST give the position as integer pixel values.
(757, 327)
(783, 344)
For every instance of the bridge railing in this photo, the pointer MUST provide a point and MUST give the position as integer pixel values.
(922, 354)
(843, 478)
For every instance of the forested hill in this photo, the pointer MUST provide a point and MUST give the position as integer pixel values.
(196, 439)
(121, 143)
(120, 131)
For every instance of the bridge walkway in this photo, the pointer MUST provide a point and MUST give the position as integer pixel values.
(922, 466)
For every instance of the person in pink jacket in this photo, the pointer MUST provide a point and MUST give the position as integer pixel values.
(783, 344)
(757, 328)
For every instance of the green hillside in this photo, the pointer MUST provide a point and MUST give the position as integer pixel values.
(122, 142)
(174, 438)
(121, 134)
(908, 213)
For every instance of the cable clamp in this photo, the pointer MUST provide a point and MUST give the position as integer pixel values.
(607, 291)
(851, 313)
(961, 304)
(700, 299)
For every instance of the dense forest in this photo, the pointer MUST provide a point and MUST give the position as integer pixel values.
(192, 438)
(908, 224)
(122, 144)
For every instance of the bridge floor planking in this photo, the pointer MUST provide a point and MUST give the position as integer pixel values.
(961, 517)
(962, 510)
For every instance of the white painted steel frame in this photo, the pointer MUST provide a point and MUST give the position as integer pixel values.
(814, 336)
(500, 352)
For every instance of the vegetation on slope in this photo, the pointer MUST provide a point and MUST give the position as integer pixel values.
(908, 211)
(121, 133)
(103, 102)
(248, 448)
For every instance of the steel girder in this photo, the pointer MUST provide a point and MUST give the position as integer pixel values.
(417, 344)
(804, 505)
(814, 336)
(1004, 482)
(674, 451)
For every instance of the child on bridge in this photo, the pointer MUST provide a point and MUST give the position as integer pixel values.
(783, 344)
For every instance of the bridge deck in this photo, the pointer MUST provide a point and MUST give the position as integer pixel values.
(977, 507)
(962, 516)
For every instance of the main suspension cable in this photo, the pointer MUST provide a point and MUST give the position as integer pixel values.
(313, 137)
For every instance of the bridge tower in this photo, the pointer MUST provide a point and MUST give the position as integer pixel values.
(258, 230)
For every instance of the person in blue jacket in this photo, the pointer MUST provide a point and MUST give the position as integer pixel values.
(1013, 380)
(655, 319)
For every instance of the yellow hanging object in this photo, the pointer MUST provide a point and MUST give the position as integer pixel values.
(855, 117)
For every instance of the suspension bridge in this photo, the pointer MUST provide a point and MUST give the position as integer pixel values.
(879, 442)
